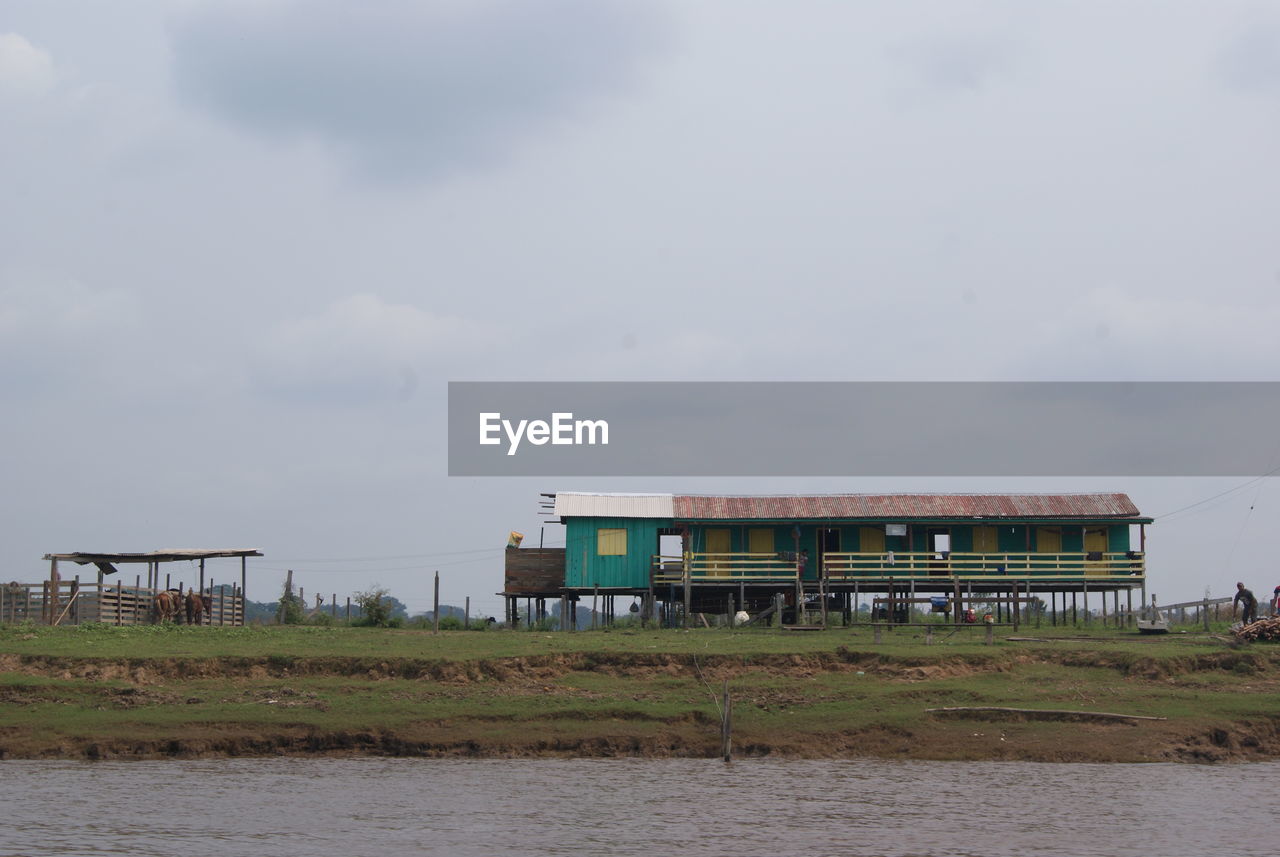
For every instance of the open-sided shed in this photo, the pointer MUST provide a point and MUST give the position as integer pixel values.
(111, 599)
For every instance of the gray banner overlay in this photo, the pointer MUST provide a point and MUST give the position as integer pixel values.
(864, 429)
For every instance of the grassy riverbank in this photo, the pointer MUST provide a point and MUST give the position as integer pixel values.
(99, 692)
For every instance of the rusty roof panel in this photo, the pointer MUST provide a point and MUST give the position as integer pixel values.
(903, 506)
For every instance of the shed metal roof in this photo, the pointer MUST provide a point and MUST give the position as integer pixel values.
(172, 555)
(904, 506)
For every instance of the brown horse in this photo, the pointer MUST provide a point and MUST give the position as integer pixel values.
(165, 606)
(197, 606)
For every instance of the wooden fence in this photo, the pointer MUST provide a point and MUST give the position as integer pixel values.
(75, 603)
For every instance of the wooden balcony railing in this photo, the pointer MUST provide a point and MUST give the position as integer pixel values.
(721, 567)
(853, 565)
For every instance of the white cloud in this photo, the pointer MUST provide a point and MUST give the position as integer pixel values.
(25, 70)
(1113, 334)
(362, 347)
(35, 307)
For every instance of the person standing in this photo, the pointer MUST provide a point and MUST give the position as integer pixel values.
(1248, 603)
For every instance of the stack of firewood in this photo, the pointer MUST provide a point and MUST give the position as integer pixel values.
(1263, 629)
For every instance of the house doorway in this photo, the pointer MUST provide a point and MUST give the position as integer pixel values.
(828, 542)
(939, 540)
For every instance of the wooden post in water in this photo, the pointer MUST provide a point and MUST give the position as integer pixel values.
(435, 610)
(726, 725)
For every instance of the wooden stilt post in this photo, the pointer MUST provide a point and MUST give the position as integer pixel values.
(1084, 597)
(1128, 594)
(435, 607)
(201, 589)
(688, 593)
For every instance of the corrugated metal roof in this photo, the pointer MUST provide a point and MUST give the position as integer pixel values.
(171, 555)
(903, 506)
(583, 505)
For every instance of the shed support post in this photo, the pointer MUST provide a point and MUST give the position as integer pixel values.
(51, 602)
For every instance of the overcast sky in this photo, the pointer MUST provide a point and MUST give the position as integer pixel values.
(244, 246)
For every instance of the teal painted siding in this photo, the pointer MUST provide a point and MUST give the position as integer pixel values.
(1012, 538)
(1118, 538)
(585, 568)
(1072, 538)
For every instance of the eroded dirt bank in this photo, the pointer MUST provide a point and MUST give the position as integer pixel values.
(1220, 706)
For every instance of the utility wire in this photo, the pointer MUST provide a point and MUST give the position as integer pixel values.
(1239, 487)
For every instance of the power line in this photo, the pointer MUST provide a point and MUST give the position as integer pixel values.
(1239, 487)
(385, 558)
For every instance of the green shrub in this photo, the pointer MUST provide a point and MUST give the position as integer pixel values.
(375, 609)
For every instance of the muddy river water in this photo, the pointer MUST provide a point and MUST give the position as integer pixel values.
(330, 807)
